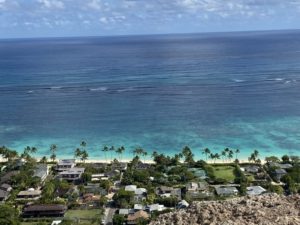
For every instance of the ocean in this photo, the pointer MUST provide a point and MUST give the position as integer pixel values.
(160, 92)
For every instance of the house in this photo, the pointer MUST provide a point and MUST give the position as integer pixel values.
(251, 169)
(30, 194)
(139, 193)
(199, 173)
(41, 171)
(226, 191)
(138, 207)
(73, 174)
(112, 173)
(124, 212)
(44, 211)
(6, 187)
(95, 189)
(135, 217)
(197, 190)
(121, 166)
(279, 173)
(65, 164)
(97, 177)
(56, 222)
(155, 207)
(164, 191)
(182, 204)
(4, 195)
(7, 177)
(280, 165)
(255, 190)
(142, 166)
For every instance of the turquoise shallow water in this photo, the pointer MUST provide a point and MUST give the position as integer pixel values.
(237, 90)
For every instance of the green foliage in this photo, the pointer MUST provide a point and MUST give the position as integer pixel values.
(86, 177)
(8, 215)
(167, 201)
(188, 155)
(285, 159)
(276, 189)
(272, 159)
(123, 199)
(118, 219)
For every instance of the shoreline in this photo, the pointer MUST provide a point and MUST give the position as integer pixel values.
(147, 161)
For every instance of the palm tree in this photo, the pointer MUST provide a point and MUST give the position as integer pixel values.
(77, 153)
(43, 159)
(206, 151)
(223, 153)
(144, 154)
(84, 156)
(111, 149)
(211, 156)
(230, 155)
(105, 150)
(237, 151)
(120, 151)
(216, 156)
(53, 149)
(154, 154)
(256, 154)
(138, 151)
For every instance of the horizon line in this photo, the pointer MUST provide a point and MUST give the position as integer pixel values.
(150, 34)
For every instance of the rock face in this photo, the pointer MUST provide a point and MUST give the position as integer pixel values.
(270, 209)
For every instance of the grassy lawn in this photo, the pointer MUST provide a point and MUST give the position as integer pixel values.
(224, 172)
(84, 215)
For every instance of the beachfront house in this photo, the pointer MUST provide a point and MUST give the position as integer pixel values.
(164, 191)
(134, 218)
(30, 195)
(41, 171)
(44, 211)
(72, 174)
(225, 191)
(255, 190)
(254, 169)
(65, 164)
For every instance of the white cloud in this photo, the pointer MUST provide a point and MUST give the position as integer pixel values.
(94, 4)
(50, 4)
(104, 20)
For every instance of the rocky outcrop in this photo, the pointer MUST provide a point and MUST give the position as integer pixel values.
(270, 209)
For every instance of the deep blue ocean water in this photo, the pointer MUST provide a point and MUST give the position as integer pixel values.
(237, 90)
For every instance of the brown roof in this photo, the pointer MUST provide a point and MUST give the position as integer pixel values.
(40, 208)
(137, 215)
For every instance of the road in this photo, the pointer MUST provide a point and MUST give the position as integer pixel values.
(108, 216)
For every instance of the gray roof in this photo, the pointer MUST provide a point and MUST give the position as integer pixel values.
(74, 170)
(255, 190)
(280, 171)
(226, 190)
(123, 211)
(41, 170)
(66, 162)
(3, 194)
(5, 186)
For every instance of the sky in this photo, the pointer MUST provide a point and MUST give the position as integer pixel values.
(58, 18)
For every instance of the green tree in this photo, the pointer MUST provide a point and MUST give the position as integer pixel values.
(285, 159)
(43, 159)
(118, 219)
(237, 151)
(53, 149)
(207, 152)
(84, 156)
(230, 155)
(111, 149)
(273, 159)
(8, 215)
(105, 149)
(188, 155)
(120, 151)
